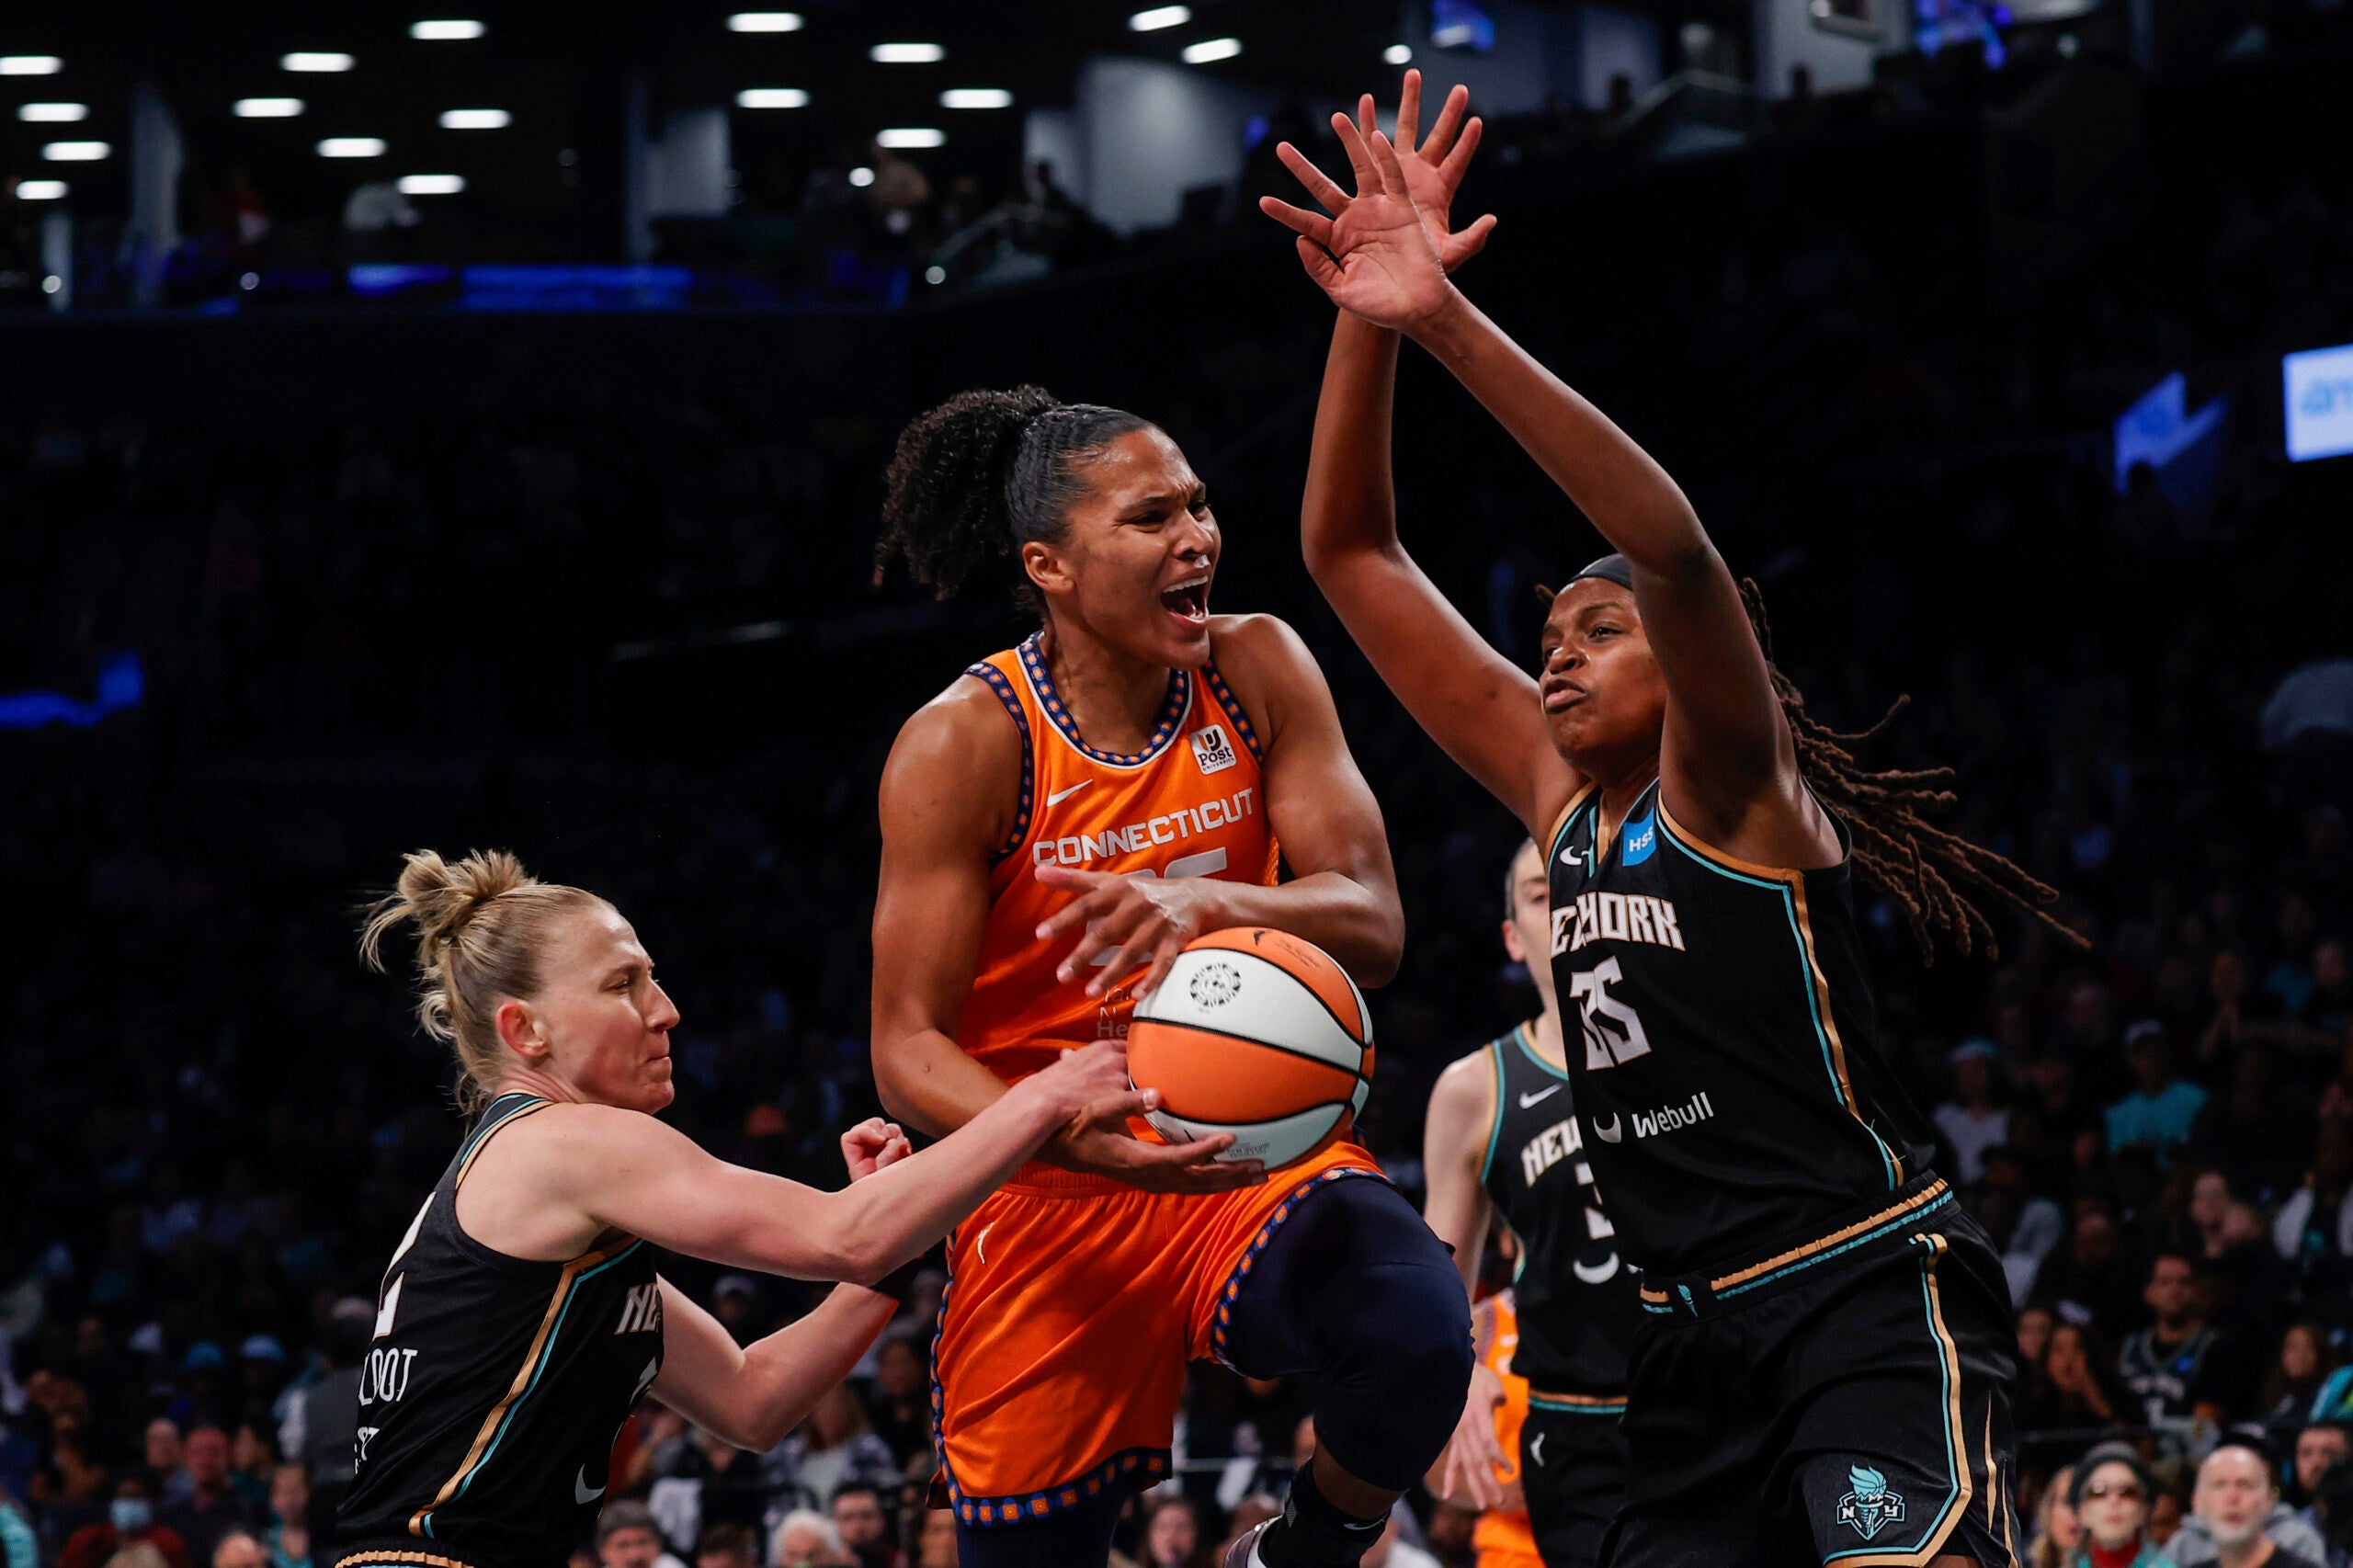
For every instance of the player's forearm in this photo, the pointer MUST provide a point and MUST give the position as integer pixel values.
(928, 1082)
(786, 1373)
(878, 1223)
(1636, 505)
(1358, 923)
(1350, 506)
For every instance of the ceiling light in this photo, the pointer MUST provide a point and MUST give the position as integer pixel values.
(476, 119)
(772, 98)
(1211, 49)
(40, 189)
(432, 184)
(39, 113)
(1398, 54)
(861, 176)
(911, 136)
(906, 53)
(316, 61)
(30, 65)
(438, 31)
(76, 152)
(352, 147)
(764, 22)
(1160, 17)
(976, 97)
(267, 109)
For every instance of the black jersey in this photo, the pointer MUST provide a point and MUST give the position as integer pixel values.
(1729, 1079)
(495, 1387)
(1575, 1295)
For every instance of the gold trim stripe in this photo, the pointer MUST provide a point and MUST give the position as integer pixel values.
(481, 1140)
(418, 1557)
(564, 1282)
(1794, 881)
(1957, 1432)
(1919, 1199)
(1552, 841)
(1613, 1400)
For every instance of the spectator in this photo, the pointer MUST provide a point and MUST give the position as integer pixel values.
(2237, 1519)
(2112, 1494)
(732, 1486)
(1970, 1121)
(806, 1538)
(2161, 1111)
(2320, 1448)
(626, 1537)
(728, 1546)
(832, 1447)
(2313, 1230)
(19, 1548)
(936, 1539)
(160, 1451)
(320, 1429)
(2039, 1225)
(2164, 1366)
(864, 1526)
(901, 1408)
(239, 1549)
(2091, 1278)
(130, 1522)
(211, 1509)
(1172, 1536)
(2294, 1380)
(2074, 1391)
(289, 1518)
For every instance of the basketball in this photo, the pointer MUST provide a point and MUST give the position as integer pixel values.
(1256, 1033)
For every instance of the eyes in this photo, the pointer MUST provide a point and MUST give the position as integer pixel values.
(1158, 514)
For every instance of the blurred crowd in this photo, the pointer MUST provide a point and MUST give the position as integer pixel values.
(643, 645)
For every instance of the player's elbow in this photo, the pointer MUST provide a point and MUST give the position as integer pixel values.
(1383, 951)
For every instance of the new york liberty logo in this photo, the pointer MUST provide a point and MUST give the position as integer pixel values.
(1870, 1507)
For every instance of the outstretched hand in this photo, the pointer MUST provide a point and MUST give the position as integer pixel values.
(1378, 254)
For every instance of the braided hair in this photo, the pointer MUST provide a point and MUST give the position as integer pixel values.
(1929, 874)
(984, 473)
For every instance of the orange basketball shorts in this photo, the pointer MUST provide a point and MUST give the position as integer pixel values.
(1073, 1304)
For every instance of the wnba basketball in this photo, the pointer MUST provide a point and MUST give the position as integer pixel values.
(1256, 1033)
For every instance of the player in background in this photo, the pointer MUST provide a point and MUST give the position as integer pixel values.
(1056, 826)
(1823, 1368)
(521, 1317)
(1502, 1140)
(1505, 1537)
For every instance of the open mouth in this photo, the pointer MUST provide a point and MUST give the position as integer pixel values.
(1188, 601)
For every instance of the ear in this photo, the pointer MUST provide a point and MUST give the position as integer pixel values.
(1048, 568)
(1516, 950)
(519, 1028)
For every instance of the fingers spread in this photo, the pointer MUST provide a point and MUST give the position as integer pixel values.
(1450, 121)
(1390, 175)
(1458, 161)
(1409, 111)
(1319, 185)
(1320, 265)
(1359, 153)
(1314, 226)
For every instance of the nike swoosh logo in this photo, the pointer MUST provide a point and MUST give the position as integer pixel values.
(980, 1243)
(1059, 796)
(1536, 1449)
(1611, 1133)
(1527, 1101)
(580, 1492)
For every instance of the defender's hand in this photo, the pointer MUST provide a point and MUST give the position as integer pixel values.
(873, 1144)
(1466, 1471)
(1372, 255)
(1434, 165)
(1105, 1147)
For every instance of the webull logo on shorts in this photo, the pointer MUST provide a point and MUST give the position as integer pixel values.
(1871, 1508)
(1675, 1118)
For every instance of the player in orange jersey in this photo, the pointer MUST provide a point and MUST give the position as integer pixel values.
(1056, 826)
(1504, 1537)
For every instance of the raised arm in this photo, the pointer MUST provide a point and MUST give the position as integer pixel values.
(1726, 755)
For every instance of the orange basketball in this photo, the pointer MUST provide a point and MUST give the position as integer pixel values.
(1256, 1033)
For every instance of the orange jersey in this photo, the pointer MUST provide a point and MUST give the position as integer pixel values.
(1190, 805)
(1504, 1539)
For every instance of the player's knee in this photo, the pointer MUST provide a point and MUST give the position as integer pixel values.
(1386, 1412)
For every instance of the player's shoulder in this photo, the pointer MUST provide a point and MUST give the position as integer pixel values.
(1465, 1088)
(1255, 641)
(966, 724)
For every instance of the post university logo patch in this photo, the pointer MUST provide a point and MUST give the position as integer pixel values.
(1871, 1508)
(1211, 749)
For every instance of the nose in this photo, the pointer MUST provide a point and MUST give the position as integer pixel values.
(663, 1015)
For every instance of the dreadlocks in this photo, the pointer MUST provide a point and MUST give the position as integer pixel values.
(1928, 872)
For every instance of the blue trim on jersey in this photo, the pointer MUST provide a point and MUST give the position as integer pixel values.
(1871, 1235)
(1232, 706)
(1172, 710)
(547, 1354)
(1527, 1049)
(1274, 1223)
(1012, 700)
(1613, 1407)
(1805, 976)
(1494, 1134)
(1944, 1406)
